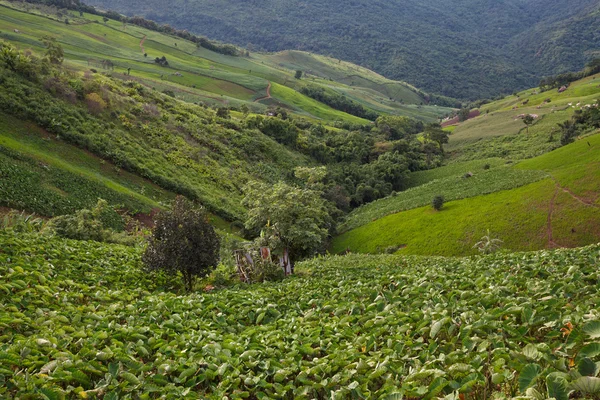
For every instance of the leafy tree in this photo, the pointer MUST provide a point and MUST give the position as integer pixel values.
(297, 218)
(568, 132)
(298, 74)
(223, 112)
(105, 19)
(434, 133)
(54, 51)
(528, 120)
(183, 241)
(463, 114)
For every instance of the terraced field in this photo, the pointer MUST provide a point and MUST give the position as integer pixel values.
(197, 74)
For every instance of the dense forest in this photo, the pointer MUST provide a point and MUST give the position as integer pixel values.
(464, 49)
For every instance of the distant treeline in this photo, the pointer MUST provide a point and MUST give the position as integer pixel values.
(200, 41)
(339, 102)
(557, 81)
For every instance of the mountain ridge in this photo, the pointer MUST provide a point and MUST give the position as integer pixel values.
(441, 47)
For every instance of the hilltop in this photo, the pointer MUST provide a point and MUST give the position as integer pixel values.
(464, 49)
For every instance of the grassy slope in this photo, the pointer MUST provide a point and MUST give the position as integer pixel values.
(559, 211)
(206, 76)
(354, 326)
(497, 132)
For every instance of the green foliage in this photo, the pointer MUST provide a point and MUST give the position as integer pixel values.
(21, 222)
(99, 224)
(488, 244)
(54, 51)
(183, 242)
(385, 317)
(437, 203)
(463, 114)
(298, 74)
(298, 218)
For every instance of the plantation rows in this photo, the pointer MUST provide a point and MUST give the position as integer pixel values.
(49, 191)
(80, 319)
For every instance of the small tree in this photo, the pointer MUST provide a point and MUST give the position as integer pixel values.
(183, 241)
(463, 114)
(54, 51)
(437, 203)
(298, 74)
(528, 120)
(105, 20)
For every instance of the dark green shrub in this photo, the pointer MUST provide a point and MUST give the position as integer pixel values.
(437, 203)
(183, 241)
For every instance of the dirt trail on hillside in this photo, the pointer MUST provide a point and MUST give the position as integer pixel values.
(573, 195)
(551, 243)
(267, 97)
(559, 188)
(142, 44)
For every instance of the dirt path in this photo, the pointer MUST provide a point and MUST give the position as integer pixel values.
(551, 243)
(573, 195)
(142, 44)
(267, 97)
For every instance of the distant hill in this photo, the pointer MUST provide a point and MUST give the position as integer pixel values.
(459, 48)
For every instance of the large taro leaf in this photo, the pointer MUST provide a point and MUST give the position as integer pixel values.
(557, 387)
(592, 329)
(587, 385)
(587, 367)
(528, 376)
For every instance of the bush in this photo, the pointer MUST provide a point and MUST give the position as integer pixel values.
(437, 203)
(87, 224)
(183, 241)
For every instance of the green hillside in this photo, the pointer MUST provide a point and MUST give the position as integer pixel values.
(465, 49)
(196, 74)
(562, 210)
(499, 132)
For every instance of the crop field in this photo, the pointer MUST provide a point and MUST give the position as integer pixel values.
(453, 187)
(81, 320)
(313, 107)
(561, 210)
(49, 177)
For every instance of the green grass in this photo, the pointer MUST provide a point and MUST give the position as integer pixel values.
(452, 187)
(352, 326)
(525, 218)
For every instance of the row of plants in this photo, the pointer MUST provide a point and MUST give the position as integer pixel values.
(83, 319)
